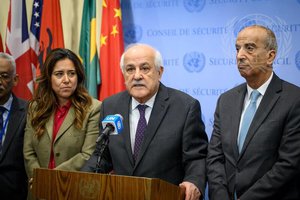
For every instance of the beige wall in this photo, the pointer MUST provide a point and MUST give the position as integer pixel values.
(3, 17)
(71, 11)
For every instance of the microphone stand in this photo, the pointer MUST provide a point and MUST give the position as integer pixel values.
(102, 142)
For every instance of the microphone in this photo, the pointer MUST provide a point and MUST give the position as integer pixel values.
(112, 125)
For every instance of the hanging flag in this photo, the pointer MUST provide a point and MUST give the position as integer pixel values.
(88, 47)
(51, 32)
(17, 44)
(1, 45)
(111, 49)
(34, 35)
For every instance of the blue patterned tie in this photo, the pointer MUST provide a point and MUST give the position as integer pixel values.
(248, 116)
(2, 110)
(141, 127)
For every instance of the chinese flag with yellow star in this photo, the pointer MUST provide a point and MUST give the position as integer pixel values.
(111, 48)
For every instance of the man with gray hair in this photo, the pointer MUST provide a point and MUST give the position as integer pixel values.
(254, 151)
(164, 136)
(13, 179)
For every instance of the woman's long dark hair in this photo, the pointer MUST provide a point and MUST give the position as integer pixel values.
(44, 101)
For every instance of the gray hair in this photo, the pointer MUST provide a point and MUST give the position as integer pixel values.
(10, 59)
(271, 43)
(158, 61)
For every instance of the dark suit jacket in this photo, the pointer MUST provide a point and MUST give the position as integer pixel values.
(13, 179)
(175, 144)
(269, 164)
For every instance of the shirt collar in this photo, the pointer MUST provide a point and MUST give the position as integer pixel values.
(8, 103)
(64, 107)
(149, 103)
(262, 89)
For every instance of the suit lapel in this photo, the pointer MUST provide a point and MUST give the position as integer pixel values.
(268, 102)
(16, 115)
(124, 111)
(68, 121)
(158, 112)
(49, 126)
(236, 117)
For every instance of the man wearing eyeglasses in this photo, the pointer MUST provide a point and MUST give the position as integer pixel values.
(13, 179)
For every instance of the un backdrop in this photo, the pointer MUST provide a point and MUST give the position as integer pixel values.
(197, 41)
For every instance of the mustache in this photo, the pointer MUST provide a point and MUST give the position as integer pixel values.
(137, 83)
(241, 62)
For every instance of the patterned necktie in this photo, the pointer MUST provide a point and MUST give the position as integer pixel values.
(2, 110)
(248, 116)
(141, 127)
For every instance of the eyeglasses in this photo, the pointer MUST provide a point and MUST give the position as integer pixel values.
(5, 76)
(60, 74)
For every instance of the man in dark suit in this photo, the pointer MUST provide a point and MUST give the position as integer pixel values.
(13, 179)
(174, 146)
(264, 163)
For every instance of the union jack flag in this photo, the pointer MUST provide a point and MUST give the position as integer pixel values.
(17, 44)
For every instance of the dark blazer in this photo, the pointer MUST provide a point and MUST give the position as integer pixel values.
(175, 144)
(269, 164)
(13, 179)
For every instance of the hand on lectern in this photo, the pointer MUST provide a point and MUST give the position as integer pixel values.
(191, 191)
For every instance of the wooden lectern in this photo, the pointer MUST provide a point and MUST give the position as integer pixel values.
(62, 185)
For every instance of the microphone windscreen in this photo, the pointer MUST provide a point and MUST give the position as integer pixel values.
(116, 121)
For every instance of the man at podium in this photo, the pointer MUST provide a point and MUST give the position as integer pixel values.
(164, 136)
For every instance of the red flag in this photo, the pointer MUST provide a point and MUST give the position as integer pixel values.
(17, 44)
(111, 49)
(1, 45)
(51, 32)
